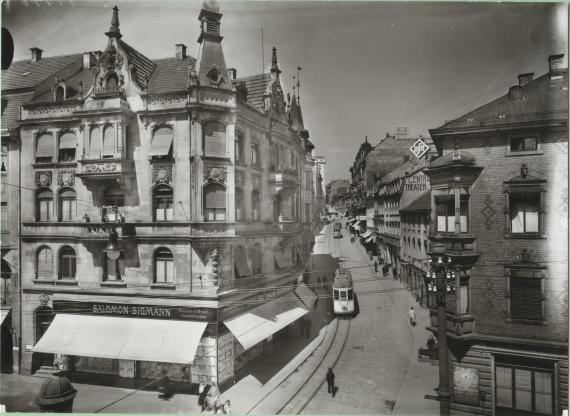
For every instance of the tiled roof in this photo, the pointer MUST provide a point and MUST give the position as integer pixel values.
(72, 86)
(387, 156)
(11, 111)
(462, 157)
(401, 170)
(421, 203)
(542, 99)
(256, 86)
(14, 77)
(170, 75)
(144, 66)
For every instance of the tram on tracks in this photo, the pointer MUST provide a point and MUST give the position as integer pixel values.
(343, 293)
(336, 230)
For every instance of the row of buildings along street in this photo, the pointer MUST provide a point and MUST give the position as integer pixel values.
(486, 193)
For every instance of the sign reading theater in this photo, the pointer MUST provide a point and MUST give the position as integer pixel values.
(416, 185)
(137, 311)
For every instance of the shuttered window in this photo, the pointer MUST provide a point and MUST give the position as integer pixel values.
(44, 262)
(214, 141)
(526, 298)
(95, 143)
(44, 148)
(214, 203)
(109, 142)
(162, 142)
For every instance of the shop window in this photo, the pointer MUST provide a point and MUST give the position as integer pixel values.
(255, 154)
(95, 143)
(163, 201)
(445, 211)
(523, 144)
(214, 202)
(214, 139)
(163, 266)
(67, 205)
(4, 216)
(44, 263)
(44, 148)
(255, 205)
(4, 166)
(67, 263)
(239, 204)
(256, 258)
(44, 205)
(109, 142)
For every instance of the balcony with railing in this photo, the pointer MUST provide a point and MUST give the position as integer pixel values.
(284, 175)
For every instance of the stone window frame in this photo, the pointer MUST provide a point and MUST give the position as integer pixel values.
(157, 197)
(46, 276)
(37, 201)
(525, 271)
(60, 257)
(162, 250)
(529, 185)
(60, 198)
(538, 150)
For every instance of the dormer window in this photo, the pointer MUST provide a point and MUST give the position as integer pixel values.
(112, 83)
(59, 94)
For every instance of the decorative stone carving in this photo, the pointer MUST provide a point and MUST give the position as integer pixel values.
(215, 172)
(66, 178)
(101, 167)
(214, 96)
(44, 299)
(215, 259)
(112, 59)
(169, 99)
(53, 108)
(488, 212)
(162, 174)
(43, 179)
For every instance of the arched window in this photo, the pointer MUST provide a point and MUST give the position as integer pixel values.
(114, 269)
(239, 204)
(109, 141)
(44, 205)
(44, 148)
(276, 207)
(44, 263)
(214, 202)
(67, 145)
(67, 205)
(162, 200)
(239, 148)
(163, 266)
(255, 205)
(67, 263)
(59, 93)
(214, 139)
(95, 143)
(255, 154)
(112, 82)
(161, 146)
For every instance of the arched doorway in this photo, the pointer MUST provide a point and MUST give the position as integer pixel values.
(43, 316)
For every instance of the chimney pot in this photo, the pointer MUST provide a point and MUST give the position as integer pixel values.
(232, 73)
(36, 54)
(555, 66)
(89, 60)
(180, 51)
(525, 78)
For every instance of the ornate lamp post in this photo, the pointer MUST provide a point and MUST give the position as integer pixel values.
(440, 281)
(113, 217)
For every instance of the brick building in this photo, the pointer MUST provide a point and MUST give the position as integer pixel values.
(156, 195)
(499, 204)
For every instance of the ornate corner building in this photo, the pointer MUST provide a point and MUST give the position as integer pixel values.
(167, 192)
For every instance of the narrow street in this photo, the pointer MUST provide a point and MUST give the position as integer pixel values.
(380, 346)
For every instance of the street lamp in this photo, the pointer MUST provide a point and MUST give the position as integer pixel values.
(112, 217)
(440, 281)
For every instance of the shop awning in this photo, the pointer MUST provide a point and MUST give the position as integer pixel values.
(122, 338)
(161, 143)
(254, 326)
(68, 141)
(306, 295)
(366, 234)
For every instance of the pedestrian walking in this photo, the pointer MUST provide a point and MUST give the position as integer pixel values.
(330, 381)
(375, 267)
(412, 316)
(201, 395)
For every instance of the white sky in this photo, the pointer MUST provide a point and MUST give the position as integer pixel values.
(368, 67)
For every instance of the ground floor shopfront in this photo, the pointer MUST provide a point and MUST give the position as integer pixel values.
(133, 342)
(495, 379)
(413, 278)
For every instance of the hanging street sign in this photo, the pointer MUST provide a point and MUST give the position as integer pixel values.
(419, 148)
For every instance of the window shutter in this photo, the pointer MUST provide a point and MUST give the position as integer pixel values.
(44, 146)
(95, 143)
(215, 140)
(526, 298)
(109, 141)
(68, 141)
(215, 197)
(161, 142)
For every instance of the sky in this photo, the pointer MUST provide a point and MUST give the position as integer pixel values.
(367, 67)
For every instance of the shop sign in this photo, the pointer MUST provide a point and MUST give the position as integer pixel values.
(180, 313)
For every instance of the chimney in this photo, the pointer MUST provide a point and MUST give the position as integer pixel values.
(180, 51)
(89, 60)
(525, 78)
(232, 73)
(36, 54)
(555, 66)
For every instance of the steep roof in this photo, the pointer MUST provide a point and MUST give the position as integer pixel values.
(407, 167)
(35, 72)
(256, 86)
(170, 74)
(144, 66)
(388, 155)
(421, 203)
(11, 108)
(540, 99)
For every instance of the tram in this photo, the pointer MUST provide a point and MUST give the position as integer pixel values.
(343, 293)
(336, 230)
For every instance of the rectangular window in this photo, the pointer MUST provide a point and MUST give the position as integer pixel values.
(524, 213)
(45, 209)
(445, 212)
(4, 216)
(254, 155)
(67, 210)
(523, 144)
(524, 388)
(68, 267)
(464, 297)
(335, 294)
(526, 298)
(164, 271)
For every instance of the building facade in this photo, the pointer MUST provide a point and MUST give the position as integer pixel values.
(166, 195)
(499, 205)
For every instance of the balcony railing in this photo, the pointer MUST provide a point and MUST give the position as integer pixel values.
(103, 168)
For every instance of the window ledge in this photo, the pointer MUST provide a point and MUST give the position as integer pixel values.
(113, 283)
(524, 153)
(40, 281)
(158, 160)
(54, 164)
(525, 236)
(66, 282)
(527, 321)
(216, 158)
(169, 286)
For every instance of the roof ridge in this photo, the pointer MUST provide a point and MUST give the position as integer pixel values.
(46, 57)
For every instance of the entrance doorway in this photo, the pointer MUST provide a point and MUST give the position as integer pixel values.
(43, 316)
